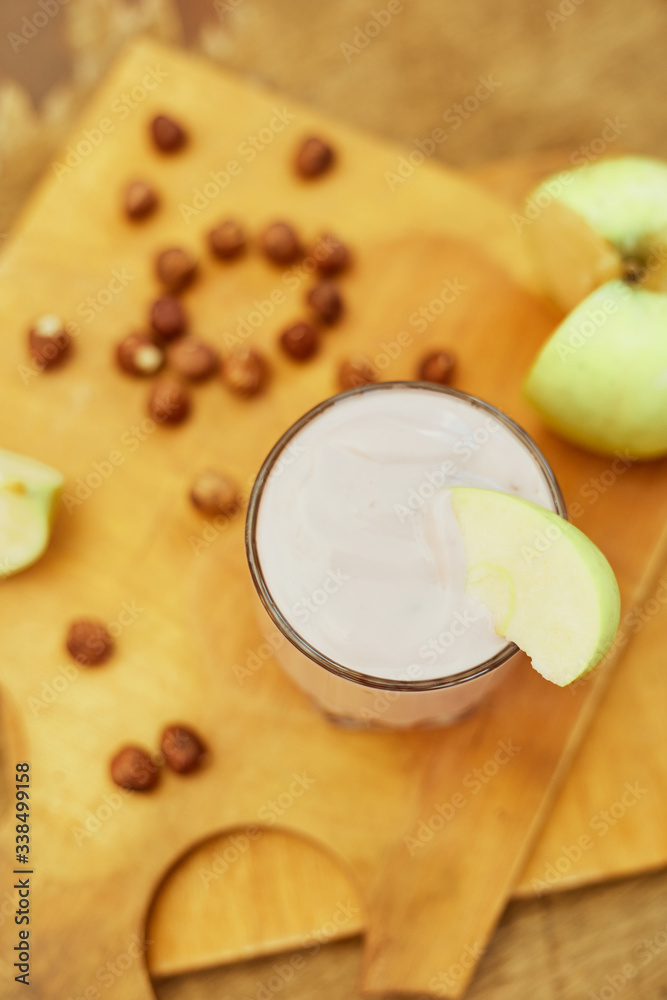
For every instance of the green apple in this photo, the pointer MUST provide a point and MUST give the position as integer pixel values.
(586, 222)
(29, 493)
(601, 378)
(548, 588)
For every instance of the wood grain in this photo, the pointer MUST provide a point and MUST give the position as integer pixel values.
(298, 894)
(564, 947)
(130, 542)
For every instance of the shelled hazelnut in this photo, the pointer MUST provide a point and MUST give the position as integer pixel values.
(325, 300)
(437, 366)
(313, 157)
(138, 354)
(49, 342)
(140, 199)
(168, 135)
(331, 255)
(299, 341)
(182, 748)
(168, 318)
(169, 402)
(132, 768)
(280, 243)
(193, 359)
(213, 492)
(245, 371)
(175, 268)
(88, 642)
(227, 240)
(354, 372)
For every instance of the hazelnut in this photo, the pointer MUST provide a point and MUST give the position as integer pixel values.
(314, 157)
(133, 768)
(330, 254)
(138, 354)
(48, 341)
(354, 372)
(214, 493)
(299, 341)
(175, 269)
(140, 200)
(437, 366)
(245, 371)
(193, 359)
(167, 317)
(169, 402)
(88, 642)
(280, 243)
(325, 300)
(227, 240)
(183, 750)
(168, 135)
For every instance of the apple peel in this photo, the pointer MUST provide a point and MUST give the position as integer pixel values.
(600, 380)
(548, 588)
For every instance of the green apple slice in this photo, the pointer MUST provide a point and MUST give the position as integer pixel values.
(584, 222)
(29, 493)
(601, 378)
(547, 587)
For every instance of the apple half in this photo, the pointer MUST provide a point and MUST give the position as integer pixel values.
(601, 378)
(548, 588)
(584, 224)
(29, 494)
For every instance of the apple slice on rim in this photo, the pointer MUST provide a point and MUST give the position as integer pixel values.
(547, 587)
(29, 492)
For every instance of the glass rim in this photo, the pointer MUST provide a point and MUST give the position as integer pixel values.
(254, 562)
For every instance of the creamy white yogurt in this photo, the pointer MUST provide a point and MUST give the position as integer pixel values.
(358, 545)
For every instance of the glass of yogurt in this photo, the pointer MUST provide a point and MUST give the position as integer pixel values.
(357, 560)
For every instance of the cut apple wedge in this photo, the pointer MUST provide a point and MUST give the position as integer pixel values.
(585, 222)
(29, 493)
(547, 587)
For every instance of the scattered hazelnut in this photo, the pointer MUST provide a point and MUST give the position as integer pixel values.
(325, 301)
(88, 642)
(168, 135)
(138, 354)
(330, 254)
(245, 371)
(314, 156)
(227, 240)
(437, 366)
(215, 493)
(169, 402)
(280, 243)
(299, 340)
(140, 200)
(167, 317)
(354, 372)
(175, 268)
(133, 768)
(48, 341)
(182, 748)
(193, 359)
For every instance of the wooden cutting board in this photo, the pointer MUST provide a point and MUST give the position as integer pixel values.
(99, 857)
(591, 832)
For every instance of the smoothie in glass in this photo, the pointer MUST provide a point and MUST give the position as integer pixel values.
(357, 558)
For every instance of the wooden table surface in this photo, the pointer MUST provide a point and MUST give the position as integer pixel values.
(559, 69)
